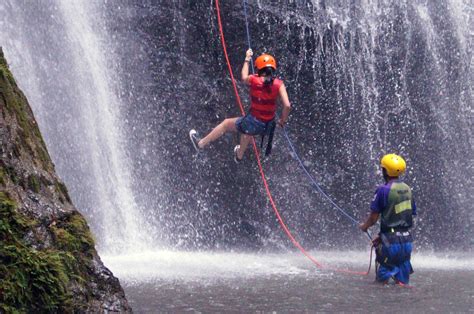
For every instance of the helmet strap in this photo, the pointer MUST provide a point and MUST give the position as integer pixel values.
(268, 80)
(385, 175)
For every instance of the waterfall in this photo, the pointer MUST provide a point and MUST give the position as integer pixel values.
(63, 59)
(364, 77)
(116, 86)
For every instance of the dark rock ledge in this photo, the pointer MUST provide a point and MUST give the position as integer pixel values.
(48, 262)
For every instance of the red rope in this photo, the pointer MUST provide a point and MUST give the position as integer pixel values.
(262, 173)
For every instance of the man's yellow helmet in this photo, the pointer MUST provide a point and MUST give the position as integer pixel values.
(393, 164)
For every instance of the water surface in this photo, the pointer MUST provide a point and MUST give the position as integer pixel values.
(169, 281)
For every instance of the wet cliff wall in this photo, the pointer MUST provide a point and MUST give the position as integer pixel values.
(48, 261)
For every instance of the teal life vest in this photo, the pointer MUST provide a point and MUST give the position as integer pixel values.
(397, 215)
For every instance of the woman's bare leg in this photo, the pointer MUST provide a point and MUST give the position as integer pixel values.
(228, 125)
(244, 142)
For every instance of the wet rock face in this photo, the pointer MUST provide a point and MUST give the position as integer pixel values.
(47, 257)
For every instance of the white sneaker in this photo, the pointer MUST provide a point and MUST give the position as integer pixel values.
(236, 159)
(194, 139)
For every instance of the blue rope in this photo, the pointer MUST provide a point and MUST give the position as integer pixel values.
(313, 181)
(248, 33)
(295, 154)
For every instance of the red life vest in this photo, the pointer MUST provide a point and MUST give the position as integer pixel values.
(263, 98)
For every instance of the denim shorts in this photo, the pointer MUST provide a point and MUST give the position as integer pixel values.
(250, 125)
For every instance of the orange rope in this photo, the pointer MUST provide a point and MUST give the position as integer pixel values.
(262, 173)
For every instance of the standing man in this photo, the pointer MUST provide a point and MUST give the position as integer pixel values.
(394, 203)
(265, 90)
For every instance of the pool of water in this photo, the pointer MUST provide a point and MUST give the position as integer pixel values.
(168, 281)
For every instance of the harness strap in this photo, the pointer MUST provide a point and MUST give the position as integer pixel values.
(268, 150)
(270, 131)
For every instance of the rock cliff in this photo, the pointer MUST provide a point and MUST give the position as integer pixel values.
(48, 261)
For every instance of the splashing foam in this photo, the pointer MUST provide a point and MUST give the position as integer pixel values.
(168, 264)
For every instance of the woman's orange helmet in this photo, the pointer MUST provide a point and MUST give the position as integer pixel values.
(264, 61)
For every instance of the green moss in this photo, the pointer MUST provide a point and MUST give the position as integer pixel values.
(17, 105)
(33, 280)
(3, 61)
(5, 69)
(7, 173)
(12, 174)
(63, 192)
(3, 176)
(29, 279)
(11, 223)
(44, 157)
(37, 280)
(73, 235)
(13, 103)
(34, 183)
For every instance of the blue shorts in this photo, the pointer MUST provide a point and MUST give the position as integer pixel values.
(250, 125)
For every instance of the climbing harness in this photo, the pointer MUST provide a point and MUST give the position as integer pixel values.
(262, 173)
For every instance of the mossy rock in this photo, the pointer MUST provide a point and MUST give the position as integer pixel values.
(9, 173)
(34, 183)
(37, 280)
(16, 105)
(72, 234)
(48, 263)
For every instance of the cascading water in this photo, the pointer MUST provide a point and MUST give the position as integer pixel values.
(116, 86)
(61, 55)
(364, 78)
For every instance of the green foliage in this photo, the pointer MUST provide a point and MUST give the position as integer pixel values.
(3, 177)
(29, 279)
(11, 224)
(73, 235)
(8, 172)
(37, 280)
(33, 280)
(34, 183)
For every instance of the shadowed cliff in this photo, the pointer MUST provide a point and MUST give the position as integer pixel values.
(48, 261)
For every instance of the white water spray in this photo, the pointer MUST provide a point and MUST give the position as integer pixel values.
(101, 117)
(89, 111)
